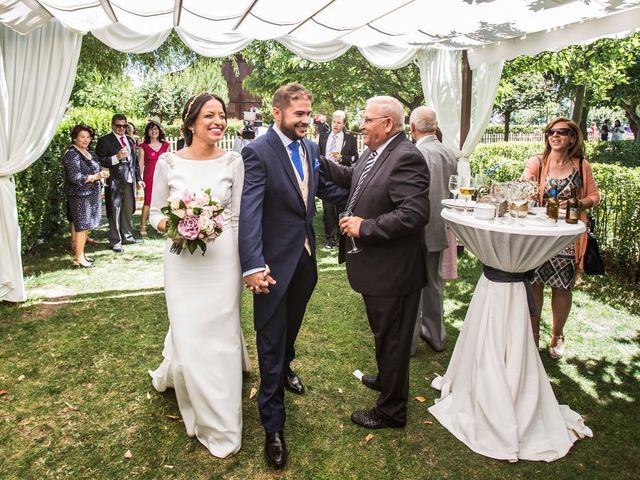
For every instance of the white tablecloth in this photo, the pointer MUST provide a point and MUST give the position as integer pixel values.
(495, 394)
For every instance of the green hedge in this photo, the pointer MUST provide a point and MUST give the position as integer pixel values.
(618, 215)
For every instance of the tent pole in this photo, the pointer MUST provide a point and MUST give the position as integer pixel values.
(465, 107)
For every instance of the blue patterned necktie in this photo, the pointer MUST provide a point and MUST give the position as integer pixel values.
(367, 168)
(294, 148)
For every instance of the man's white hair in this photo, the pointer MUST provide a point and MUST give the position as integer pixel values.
(424, 119)
(391, 107)
(340, 114)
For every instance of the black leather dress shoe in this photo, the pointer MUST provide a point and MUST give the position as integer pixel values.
(117, 249)
(293, 382)
(131, 242)
(371, 382)
(275, 449)
(371, 419)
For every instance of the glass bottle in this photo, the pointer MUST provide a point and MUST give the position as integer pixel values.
(573, 207)
(553, 206)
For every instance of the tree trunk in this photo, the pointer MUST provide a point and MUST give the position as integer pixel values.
(507, 122)
(634, 119)
(583, 120)
(578, 104)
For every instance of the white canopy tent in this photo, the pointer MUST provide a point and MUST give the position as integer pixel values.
(41, 43)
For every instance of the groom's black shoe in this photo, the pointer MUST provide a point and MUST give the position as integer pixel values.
(275, 450)
(371, 382)
(371, 419)
(293, 382)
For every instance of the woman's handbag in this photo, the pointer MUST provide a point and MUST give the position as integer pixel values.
(593, 264)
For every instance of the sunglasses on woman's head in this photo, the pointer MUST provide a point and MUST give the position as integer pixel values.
(563, 132)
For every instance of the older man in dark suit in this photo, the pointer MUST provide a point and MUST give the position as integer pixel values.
(276, 229)
(389, 204)
(339, 147)
(442, 163)
(117, 152)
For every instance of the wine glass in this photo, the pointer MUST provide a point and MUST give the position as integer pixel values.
(354, 247)
(498, 195)
(454, 185)
(467, 189)
(482, 180)
(518, 196)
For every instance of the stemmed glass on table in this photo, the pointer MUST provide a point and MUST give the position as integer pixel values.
(518, 195)
(454, 185)
(354, 247)
(467, 189)
(498, 195)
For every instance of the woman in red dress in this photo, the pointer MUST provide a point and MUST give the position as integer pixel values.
(150, 149)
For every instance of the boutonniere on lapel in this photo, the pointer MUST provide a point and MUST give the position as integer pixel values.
(316, 165)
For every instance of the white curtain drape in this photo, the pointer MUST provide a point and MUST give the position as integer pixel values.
(120, 37)
(37, 72)
(441, 76)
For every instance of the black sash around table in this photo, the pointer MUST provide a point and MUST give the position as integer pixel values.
(500, 276)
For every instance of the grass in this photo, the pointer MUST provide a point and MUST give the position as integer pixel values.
(74, 361)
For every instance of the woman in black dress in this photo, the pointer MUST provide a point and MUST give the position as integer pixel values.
(82, 178)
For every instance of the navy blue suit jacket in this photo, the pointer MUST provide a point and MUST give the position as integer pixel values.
(274, 221)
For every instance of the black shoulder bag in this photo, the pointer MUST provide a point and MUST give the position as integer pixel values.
(593, 264)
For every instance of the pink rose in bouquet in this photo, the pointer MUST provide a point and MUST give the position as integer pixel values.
(193, 220)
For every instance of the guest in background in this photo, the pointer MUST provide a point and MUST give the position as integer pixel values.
(82, 179)
(592, 132)
(442, 163)
(132, 131)
(604, 130)
(153, 145)
(617, 132)
(561, 161)
(320, 124)
(339, 147)
(117, 152)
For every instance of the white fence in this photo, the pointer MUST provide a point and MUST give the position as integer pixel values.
(227, 141)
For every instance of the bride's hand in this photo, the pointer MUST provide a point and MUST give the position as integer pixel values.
(259, 282)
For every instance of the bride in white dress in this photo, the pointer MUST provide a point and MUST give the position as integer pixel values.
(204, 352)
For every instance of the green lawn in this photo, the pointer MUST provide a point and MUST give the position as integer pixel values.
(74, 361)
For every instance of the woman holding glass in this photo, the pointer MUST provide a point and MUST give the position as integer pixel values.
(561, 161)
(82, 180)
(149, 151)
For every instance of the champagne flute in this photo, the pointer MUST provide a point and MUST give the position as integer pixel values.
(454, 185)
(498, 195)
(354, 247)
(467, 189)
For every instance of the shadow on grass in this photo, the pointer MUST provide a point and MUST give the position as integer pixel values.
(613, 291)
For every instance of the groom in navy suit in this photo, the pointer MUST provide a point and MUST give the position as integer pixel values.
(277, 249)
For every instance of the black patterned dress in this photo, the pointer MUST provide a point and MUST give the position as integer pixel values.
(84, 199)
(560, 271)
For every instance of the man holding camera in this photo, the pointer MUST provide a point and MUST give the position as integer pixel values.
(342, 148)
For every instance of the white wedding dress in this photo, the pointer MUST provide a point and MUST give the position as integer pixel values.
(204, 351)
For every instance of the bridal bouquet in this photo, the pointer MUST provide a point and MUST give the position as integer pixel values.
(193, 219)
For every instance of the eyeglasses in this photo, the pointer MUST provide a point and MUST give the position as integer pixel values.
(367, 121)
(120, 125)
(563, 132)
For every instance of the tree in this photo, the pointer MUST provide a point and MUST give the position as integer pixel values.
(343, 83)
(588, 73)
(164, 95)
(520, 88)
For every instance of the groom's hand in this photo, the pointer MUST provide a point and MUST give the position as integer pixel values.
(259, 282)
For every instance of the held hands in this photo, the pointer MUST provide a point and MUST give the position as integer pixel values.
(259, 282)
(350, 226)
(141, 185)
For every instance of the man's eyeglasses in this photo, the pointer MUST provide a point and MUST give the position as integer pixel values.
(366, 121)
(120, 125)
(563, 132)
